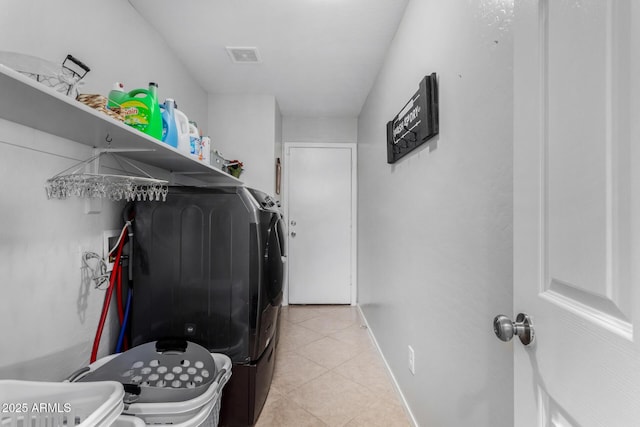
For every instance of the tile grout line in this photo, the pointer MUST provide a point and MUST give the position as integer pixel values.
(361, 348)
(307, 379)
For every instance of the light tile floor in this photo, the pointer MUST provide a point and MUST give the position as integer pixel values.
(329, 373)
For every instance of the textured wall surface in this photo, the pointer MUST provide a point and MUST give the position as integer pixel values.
(243, 127)
(435, 228)
(320, 129)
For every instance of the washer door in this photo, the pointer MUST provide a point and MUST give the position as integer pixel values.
(274, 262)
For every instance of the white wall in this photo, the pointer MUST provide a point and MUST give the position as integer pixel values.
(319, 129)
(243, 127)
(435, 229)
(48, 310)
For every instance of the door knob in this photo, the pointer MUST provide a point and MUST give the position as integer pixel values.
(505, 329)
(293, 234)
(293, 223)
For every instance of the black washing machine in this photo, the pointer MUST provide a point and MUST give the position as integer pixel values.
(208, 267)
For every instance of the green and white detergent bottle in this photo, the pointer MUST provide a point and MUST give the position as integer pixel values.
(141, 110)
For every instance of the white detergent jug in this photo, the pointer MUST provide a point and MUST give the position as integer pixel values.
(182, 125)
(205, 150)
(194, 138)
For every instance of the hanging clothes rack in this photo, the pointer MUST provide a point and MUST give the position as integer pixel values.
(75, 181)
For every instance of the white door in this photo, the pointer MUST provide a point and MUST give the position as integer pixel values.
(577, 212)
(320, 199)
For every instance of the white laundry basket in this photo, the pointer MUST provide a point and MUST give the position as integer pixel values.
(165, 405)
(128, 421)
(49, 404)
(203, 411)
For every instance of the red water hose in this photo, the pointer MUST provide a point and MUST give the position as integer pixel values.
(119, 293)
(122, 317)
(107, 300)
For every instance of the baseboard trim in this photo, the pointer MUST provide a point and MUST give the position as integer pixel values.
(405, 405)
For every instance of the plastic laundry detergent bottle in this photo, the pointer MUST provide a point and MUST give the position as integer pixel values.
(117, 96)
(205, 150)
(142, 111)
(194, 140)
(182, 127)
(169, 128)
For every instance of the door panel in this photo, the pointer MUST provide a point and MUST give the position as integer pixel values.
(586, 151)
(320, 218)
(575, 210)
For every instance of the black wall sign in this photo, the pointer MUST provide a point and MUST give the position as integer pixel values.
(416, 123)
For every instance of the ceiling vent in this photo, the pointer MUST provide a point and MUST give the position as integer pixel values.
(244, 55)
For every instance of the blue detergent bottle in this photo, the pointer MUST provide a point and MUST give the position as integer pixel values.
(169, 129)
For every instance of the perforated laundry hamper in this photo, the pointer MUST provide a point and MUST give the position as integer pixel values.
(167, 382)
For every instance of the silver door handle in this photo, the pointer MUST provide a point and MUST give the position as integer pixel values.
(293, 234)
(505, 329)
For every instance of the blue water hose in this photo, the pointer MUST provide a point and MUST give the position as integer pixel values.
(123, 328)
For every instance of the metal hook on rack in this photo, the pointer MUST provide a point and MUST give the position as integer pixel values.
(409, 131)
(406, 143)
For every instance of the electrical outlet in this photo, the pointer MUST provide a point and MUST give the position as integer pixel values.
(412, 360)
(109, 240)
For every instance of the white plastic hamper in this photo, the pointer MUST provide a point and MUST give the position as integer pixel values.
(129, 421)
(49, 404)
(203, 410)
(200, 411)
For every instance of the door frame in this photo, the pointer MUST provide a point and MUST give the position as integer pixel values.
(354, 207)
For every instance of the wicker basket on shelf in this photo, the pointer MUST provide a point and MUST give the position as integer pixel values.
(99, 102)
